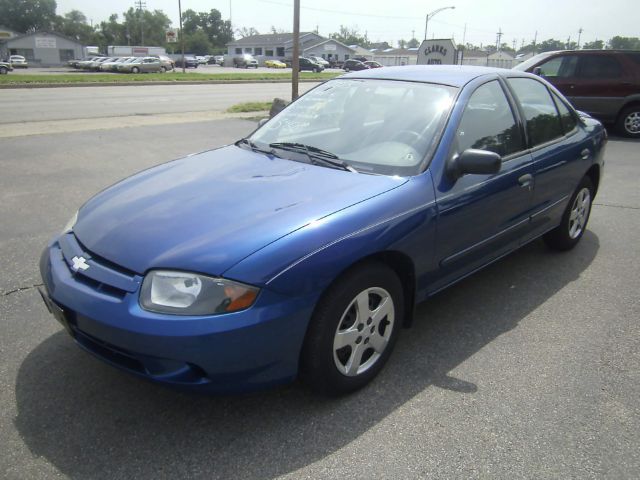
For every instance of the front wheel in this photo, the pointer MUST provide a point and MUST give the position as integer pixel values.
(4, 70)
(163, 69)
(135, 70)
(574, 220)
(629, 121)
(353, 330)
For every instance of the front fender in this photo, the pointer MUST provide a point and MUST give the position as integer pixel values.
(309, 259)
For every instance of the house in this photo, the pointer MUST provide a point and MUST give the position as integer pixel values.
(500, 59)
(396, 56)
(280, 45)
(43, 49)
(474, 57)
(361, 52)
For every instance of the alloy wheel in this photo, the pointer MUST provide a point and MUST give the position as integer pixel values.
(363, 332)
(632, 123)
(579, 213)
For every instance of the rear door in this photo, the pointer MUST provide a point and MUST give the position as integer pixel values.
(602, 83)
(482, 217)
(560, 150)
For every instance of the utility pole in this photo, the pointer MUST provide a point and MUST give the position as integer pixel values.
(464, 35)
(568, 41)
(535, 39)
(498, 39)
(514, 44)
(579, 35)
(181, 35)
(140, 6)
(295, 61)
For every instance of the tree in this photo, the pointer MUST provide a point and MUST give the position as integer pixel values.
(28, 15)
(595, 45)
(197, 43)
(550, 45)
(275, 30)
(413, 43)
(74, 25)
(146, 28)
(624, 43)
(247, 32)
(402, 44)
(217, 31)
(351, 36)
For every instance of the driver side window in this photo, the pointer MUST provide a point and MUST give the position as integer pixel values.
(488, 123)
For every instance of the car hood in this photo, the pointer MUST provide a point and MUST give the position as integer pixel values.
(207, 212)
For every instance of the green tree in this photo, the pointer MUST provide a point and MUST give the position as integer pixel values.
(624, 43)
(112, 32)
(550, 45)
(402, 44)
(74, 25)
(197, 43)
(145, 27)
(413, 43)
(351, 36)
(595, 45)
(247, 32)
(28, 15)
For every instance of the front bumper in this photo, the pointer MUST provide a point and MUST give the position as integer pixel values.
(240, 351)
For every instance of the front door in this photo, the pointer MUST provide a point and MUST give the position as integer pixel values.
(481, 217)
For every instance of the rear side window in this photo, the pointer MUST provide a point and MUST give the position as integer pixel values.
(543, 121)
(599, 66)
(567, 117)
(488, 122)
(559, 67)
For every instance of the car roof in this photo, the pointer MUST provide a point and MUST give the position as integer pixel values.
(453, 75)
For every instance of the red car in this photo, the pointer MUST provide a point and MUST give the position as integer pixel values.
(603, 83)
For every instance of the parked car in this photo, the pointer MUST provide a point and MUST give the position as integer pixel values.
(287, 62)
(5, 67)
(245, 61)
(336, 63)
(189, 62)
(166, 63)
(142, 65)
(274, 64)
(308, 64)
(320, 61)
(219, 59)
(355, 65)
(78, 64)
(112, 66)
(95, 64)
(372, 64)
(301, 250)
(18, 61)
(603, 83)
(202, 60)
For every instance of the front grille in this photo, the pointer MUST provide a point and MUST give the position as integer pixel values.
(101, 275)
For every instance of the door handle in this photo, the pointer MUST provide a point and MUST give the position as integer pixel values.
(526, 180)
(585, 154)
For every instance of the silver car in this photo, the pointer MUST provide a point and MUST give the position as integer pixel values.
(141, 65)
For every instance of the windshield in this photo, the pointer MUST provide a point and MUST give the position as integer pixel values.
(524, 66)
(376, 126)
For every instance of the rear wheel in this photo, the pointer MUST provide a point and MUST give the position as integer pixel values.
(4, 70)
(574, 220)
(629, 121)
(135, 70)
(163, 69)
(353, 330)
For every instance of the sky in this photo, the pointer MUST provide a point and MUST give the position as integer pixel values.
(400, 19)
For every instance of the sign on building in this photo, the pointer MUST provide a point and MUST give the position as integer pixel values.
(437, 52)
(46, 42)
(172, 36)
(330, 47)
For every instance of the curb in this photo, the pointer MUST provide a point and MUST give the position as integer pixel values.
(129, 84)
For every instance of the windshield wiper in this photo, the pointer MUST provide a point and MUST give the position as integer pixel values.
(315, 155)
(254, 147)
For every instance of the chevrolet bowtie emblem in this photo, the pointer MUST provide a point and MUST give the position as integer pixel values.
(79, 263)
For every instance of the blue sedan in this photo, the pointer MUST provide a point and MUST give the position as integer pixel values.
(301, 250)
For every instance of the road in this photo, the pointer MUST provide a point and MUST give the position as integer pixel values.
(70, 103)
(528, 369)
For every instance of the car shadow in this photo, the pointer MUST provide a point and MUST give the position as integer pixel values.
(92, 421)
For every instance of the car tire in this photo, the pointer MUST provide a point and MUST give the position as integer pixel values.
(163, 70)
(345, 348)
(574, 220)
(629, 121)
(135, 70)
(4, 70)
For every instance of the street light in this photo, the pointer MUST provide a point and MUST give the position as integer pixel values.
(431, 15)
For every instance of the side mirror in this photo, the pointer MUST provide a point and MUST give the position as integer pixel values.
(537, 71)
(480, 162)
(262, 122)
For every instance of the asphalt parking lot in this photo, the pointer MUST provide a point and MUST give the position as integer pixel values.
(528, 369)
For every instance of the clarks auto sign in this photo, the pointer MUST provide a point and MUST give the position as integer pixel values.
(437, 52)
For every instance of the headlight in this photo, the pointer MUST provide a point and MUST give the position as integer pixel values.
(70, 224)
(184, 293)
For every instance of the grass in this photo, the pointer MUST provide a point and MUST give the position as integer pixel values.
(81, 78)
(249, 107)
